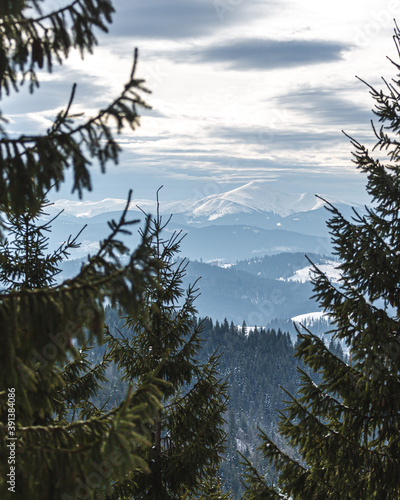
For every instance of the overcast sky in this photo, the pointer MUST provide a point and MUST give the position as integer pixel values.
(241, 90)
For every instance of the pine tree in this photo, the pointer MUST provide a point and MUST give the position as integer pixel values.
(212, 488)
(28, 43)
(345, 431)
(25, 265)
(24, 261)
(61, 437)
(187, 435)
(44, 452)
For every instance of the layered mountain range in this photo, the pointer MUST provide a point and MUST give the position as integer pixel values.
(251, 220)
(255, 197)
(248, 245)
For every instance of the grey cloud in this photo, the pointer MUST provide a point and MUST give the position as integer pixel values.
(278, 139)
(185, 176)
(267, 54)
(183, 173)
(178, 19)
(325, 105)
(54, 93)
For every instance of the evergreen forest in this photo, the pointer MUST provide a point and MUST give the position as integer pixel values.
(111, 385)
(256, 363)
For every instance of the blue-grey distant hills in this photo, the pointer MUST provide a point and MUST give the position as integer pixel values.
(259, 290)
(250, 221)
(248, 245)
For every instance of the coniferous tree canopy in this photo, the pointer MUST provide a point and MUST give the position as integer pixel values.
(211, 489)
(43, 375)
(255, 366)
(187, 435)
(60, 434)
(345, 431)
(32, 39)
(24, 261)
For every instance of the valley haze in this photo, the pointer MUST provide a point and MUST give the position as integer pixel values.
(248, 245)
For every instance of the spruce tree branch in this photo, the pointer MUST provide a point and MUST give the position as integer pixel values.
(286, 457)
(105, 245)
(30, 20)
(121, 410)
(257, 482)
(63, 249)
(37, 41)
(116, 229)
(96, 120)
(336, 402)
(64, 288)
(63, 116)
(68, 145)
(352, 443)
(204, 375)
(97, 372)
(343, 295)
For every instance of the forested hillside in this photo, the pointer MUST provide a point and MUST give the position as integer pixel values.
(248, 290)
(124, 376)
(280, 266)
(240, 295)
(256, 363)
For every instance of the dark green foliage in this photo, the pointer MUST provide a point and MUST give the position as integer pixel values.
(257, 365)
(38, 38)
(24, 261)
(187, 435)
(65, 447)
(212, 488)
(58, 428)
(33, 163)
(344, 432)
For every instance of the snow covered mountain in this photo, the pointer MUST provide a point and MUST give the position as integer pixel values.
(252, 220)
(248, 244)
(255, 197)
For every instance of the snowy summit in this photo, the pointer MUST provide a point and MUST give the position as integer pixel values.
(253, 197)
(256, 196)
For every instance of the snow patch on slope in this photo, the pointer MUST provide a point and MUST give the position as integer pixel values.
(329, 268)
(308, 318)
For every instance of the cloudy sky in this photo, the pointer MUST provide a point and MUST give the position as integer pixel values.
(241, 90)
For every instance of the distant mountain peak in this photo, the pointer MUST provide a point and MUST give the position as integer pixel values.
(255, 196)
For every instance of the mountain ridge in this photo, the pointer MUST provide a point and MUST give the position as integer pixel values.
(253, 197)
